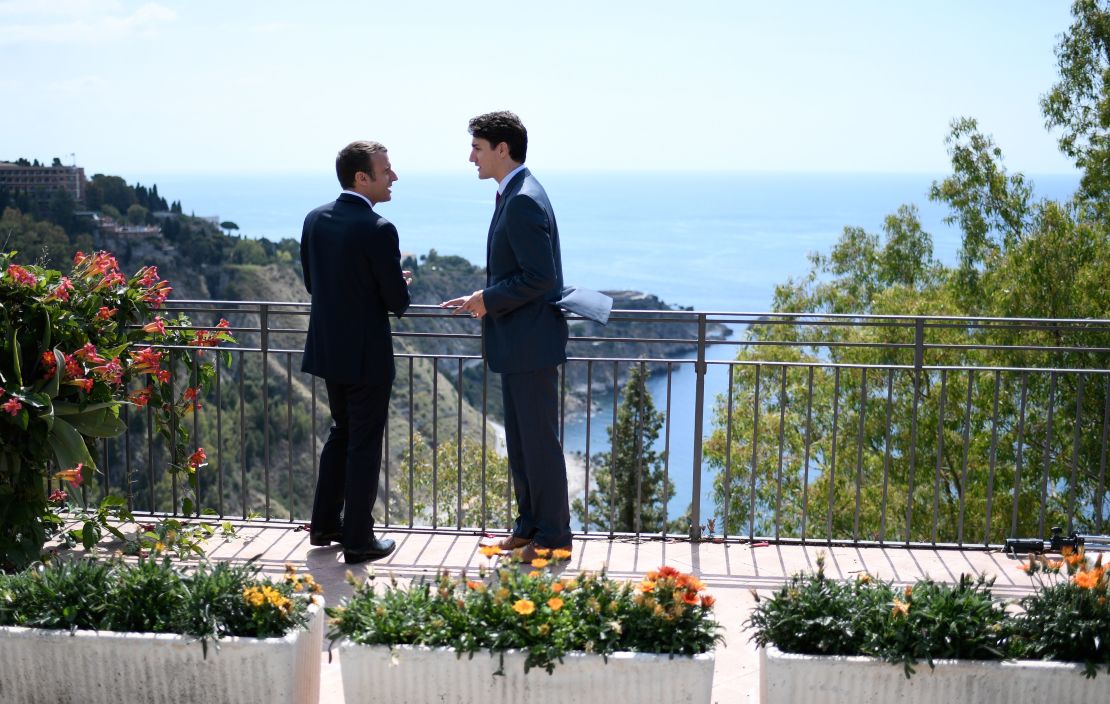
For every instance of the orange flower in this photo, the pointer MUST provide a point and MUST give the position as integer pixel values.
(708, 601)
(901, 608)
(535, 574)
(666, 571)
(489, 550)
(141, 397)
(21, 275)
(647, 586)
(74, 476)
(539, 562)
(524, 607)
(543, 552)
(471, 584)
(557, 587)
(561, 554)
(690, 597)
(105, 312)
(197, 459)
(1088, 579)
(555, 603)
(89, 354)
(157, 325)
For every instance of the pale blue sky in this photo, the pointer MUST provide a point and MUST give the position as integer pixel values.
(202, 86)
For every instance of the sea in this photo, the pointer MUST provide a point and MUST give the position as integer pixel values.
(714, 241)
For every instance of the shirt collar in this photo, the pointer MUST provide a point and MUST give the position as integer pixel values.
(356, 193)
(508, 177)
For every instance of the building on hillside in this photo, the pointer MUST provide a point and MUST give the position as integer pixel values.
(42, 181)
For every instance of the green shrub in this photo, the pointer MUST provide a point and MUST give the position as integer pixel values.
(209, 602)
(535, 611)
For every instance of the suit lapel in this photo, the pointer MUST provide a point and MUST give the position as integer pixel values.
(511, 189)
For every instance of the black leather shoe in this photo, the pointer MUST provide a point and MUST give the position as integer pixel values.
(324, 538)
(375, 549)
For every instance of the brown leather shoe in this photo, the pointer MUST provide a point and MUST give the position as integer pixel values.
(510, 543)
(534, 550)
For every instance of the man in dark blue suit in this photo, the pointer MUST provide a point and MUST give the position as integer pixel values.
(352, 268)
(524, 335)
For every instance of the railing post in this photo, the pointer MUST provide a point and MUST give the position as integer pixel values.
(264, 346)
(699, 417)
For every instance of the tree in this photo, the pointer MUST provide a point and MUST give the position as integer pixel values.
(137, 214)
(228, 226)
(448, 487)
(837, 437)
(630, 493)
(1079, 103)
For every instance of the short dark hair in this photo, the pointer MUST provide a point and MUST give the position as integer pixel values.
(356, 157)
(502, 126)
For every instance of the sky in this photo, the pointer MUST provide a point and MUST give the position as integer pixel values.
(246, 87)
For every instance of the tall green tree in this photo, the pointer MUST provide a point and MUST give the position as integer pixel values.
(629, 492)
(1079, 103)
(838, 437)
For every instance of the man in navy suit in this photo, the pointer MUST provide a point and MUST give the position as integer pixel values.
(524, 335)
(352, 268)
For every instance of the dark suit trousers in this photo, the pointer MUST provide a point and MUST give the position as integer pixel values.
(536, 459)
(351, 461)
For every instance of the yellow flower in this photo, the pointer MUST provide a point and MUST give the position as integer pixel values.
(555, 603)
(901, 608)
(254, 596)
(159, 546)
(647, 586)
(502, 594)
(489, 550)
(561, 554)
(524, 607)
(557, 587)
(539, 563)
(543, 552)
(863, 578)
(535, 574)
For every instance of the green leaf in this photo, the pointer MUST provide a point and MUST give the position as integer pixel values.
(99, 423)
(69, 446)
(90, 536)
(47, 330)
(54, 383)
(13, 342)
(187, 506)
(68, 408)
(113, 502)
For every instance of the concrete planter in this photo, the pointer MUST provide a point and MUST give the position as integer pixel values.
(824, 679)
(407, 674)
(90, 667)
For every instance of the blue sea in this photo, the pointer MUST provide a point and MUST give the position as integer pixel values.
(713, 241)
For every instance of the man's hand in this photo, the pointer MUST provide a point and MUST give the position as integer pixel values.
(407, 276)
(472, 304)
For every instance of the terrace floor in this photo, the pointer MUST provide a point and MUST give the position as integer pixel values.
(730, 570)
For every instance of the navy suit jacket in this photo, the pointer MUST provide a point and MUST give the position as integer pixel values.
(523, 331)
(352, 268)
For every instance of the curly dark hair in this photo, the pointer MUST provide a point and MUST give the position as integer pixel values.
(502, 126)
(356, 157)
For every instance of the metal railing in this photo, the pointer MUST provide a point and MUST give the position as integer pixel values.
(894, 430)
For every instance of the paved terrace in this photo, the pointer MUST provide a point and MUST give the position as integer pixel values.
(731, 572)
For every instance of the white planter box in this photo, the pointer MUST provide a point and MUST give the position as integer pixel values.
(409, 674)
(826, 679)
(105, 667)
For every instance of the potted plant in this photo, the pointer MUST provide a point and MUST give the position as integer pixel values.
(74, 348)
(823, 640)
(109, 631)
(501, 635)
